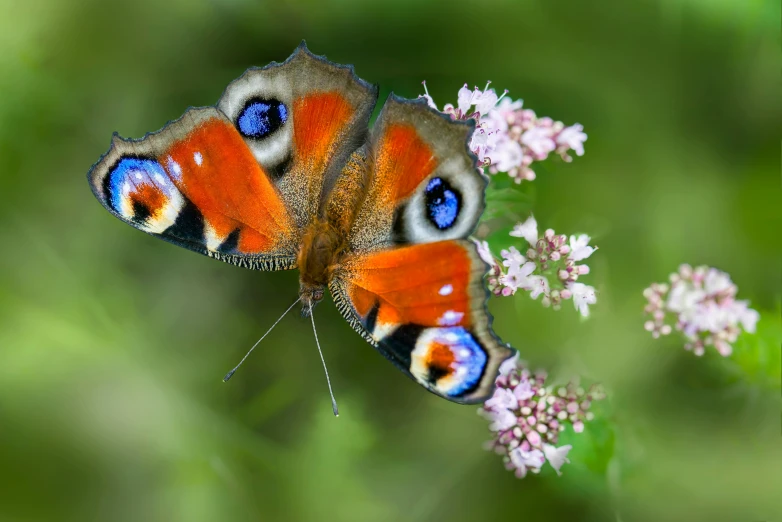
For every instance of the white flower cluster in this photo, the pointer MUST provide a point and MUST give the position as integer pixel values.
(508, 138)
(548, 268)
(526, 417)
(700, 303)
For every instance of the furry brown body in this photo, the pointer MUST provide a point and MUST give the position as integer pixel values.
(324, 243)
(320, 252)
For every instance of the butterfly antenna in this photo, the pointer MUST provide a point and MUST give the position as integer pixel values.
(328, 381)
(231, 373)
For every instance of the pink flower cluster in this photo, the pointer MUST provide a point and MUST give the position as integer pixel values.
(701, 304)
(527, 417)
(508, 138)
(548, 268)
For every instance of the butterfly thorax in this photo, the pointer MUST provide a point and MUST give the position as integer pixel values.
(321, 248)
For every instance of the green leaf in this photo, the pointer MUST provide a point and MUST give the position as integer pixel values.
(500, 181)
(756, 357)
(500, 239)
(593, 449)
(512, 202)
(598, 444)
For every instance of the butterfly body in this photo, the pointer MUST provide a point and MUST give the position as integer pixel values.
(320, 255)
(285, 173)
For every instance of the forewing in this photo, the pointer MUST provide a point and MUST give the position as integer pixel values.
(301, 119)
(196, 184)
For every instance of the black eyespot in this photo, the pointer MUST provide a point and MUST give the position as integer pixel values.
(141, 212)
(443, 203)
(260, 117)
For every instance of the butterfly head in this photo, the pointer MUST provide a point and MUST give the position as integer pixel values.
(310, 295)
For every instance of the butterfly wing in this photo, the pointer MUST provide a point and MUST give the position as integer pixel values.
(412, 286)
(196, 184)
(301, 119)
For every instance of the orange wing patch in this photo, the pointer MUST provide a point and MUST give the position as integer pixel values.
(441, 357)
(150, 196)
(403, 162)
(426, 285)
(320, 119)
(215, 170)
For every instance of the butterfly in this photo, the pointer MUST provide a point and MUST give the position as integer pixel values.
(284, 172)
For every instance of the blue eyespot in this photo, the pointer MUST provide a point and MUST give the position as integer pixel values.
(260, 118)
(129, 175)
(141, 192)
(443, 203)
(469, 357)
(450, 358)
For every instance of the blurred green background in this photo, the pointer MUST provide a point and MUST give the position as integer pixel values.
(113, 344)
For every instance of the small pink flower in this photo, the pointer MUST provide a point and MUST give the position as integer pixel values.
(523, 391)
(485, 101)
(533, 436)
(523, 460)
(579, 247)
(509, 364)
(747, 316)
(517, 276)
(503, 399)
(504, 113)
(583, 296)
(557, 457)
(512, 258)
(464, 98)
(539, 142)
(507, 155)
(572, 138)
(503, 419)
(540, 286)
(484, 252)
(528, 230)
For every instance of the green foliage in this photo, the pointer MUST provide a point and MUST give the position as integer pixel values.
(506, 204)
(512, 202)
(594, 448)
(113, 344)
(757, 358)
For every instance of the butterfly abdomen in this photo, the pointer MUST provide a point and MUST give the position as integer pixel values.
(321, 247)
